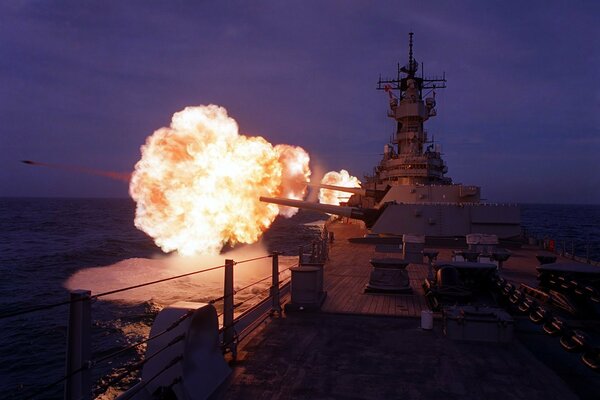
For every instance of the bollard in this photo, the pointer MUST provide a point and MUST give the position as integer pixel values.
(275, 305)
(228, 331)
(78, 384)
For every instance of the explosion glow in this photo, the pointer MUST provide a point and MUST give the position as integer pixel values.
(198, 182)
(342, 178)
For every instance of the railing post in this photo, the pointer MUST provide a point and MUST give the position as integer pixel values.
(564, 247)
(228, 331)
(276, 305)
(78, 384)
(572, 249)
(300, 256)
(587, 252)
(322, 250)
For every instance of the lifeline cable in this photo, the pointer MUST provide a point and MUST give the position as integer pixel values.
(93, 297)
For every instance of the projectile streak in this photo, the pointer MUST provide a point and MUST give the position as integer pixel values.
(119, 176)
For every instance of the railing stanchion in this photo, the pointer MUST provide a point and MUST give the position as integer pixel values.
(276, 305)
(321, 251)
(587, 253)
(228, 330)
(79, 384)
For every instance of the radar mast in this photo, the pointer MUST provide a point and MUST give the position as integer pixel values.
(411, 158)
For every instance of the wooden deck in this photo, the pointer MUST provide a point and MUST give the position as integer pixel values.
(348, 351)
(347, 273)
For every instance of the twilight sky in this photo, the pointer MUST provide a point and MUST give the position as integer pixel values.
(84, 83)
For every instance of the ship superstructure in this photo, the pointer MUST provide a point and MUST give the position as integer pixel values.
(409, 192)
(411, 157)
(412, 169)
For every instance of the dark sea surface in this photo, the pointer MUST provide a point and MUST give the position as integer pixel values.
(574, 227)
(43, 242)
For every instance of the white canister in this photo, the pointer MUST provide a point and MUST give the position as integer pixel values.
(426, 320)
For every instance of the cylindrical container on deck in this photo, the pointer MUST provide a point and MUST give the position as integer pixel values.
(426, 320)
(412, 248)
(305, 286)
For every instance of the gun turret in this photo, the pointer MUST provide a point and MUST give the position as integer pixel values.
(368, 215)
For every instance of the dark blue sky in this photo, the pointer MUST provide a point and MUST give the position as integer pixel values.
(85, 82)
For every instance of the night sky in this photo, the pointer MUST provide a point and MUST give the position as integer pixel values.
(86, 82)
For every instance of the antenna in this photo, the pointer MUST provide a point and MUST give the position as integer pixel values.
(410, 51)
(399, 83)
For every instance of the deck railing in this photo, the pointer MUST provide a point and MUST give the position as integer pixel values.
(80, 362)
(577, 250)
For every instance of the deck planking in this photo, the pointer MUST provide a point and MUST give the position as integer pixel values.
(347, 273)
(335, 356)
(332, 355)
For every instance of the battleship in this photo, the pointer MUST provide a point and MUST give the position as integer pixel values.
(408, 293)
(409, 191)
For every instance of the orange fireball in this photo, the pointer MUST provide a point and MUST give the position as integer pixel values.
(198, 182)
(342, 178)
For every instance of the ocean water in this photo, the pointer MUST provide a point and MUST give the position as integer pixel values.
(47, 244)
(574, 227)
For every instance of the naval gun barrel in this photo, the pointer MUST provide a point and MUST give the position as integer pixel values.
(353, 190)
(377, 194)
(368, 215)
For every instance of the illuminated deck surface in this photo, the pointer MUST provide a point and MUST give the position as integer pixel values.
(347, 273)
(349, 351)
(334, 356)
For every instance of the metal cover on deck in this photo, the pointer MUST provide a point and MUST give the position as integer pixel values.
(569, 267)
